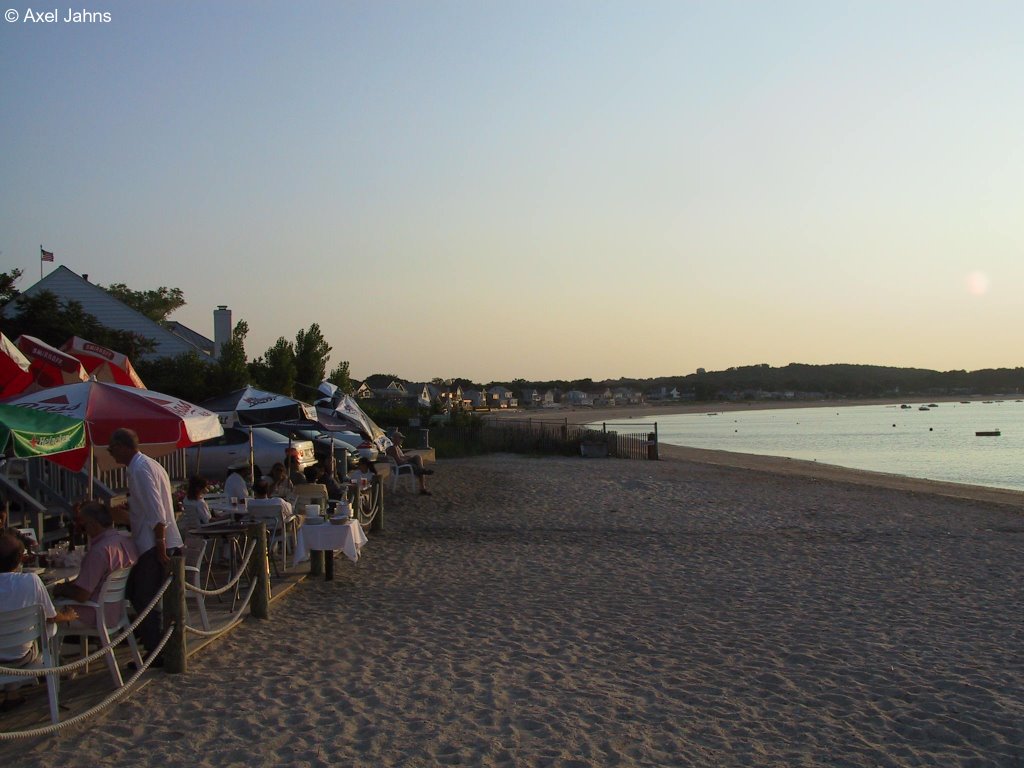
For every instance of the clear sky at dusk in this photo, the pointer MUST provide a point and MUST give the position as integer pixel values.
(537, 189)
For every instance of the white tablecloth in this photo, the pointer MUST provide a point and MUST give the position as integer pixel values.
(348, 538)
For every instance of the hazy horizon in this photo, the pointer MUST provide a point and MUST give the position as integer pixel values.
(554, 190)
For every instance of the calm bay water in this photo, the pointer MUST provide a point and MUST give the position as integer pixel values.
(937, 444)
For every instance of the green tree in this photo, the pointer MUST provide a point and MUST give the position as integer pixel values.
(275, 370)
(46, 317)
(8, 291)
(188, 376)
(231, 371)
(156, 305)
(311, 354)
(340, 377)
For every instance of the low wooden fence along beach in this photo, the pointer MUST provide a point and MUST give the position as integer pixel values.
(627, 440)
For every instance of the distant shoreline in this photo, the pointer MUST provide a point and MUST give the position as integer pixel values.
(650, 411)
(777, 464)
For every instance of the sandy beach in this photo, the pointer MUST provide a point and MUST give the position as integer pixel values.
(571, 612)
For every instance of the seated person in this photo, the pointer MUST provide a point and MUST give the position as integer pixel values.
(280, 484)
(262, 500)
(395, 452)
(291, 465)
(329, 478)
(20, 590)
(365, 471)
(109, 550)
(236, 486)
(197, 511)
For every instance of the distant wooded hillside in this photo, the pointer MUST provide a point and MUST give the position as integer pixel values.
(840, 380)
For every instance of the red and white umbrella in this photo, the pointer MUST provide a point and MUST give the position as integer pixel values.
(15, 369)
(105, 364)
(163, 423)
(50, 366)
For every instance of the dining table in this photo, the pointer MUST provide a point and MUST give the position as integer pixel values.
(330, 537)
(225, 531)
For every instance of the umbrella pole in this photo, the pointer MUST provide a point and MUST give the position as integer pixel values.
(92, 472)
(252, 461)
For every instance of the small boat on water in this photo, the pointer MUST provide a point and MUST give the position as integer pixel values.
(988, 433)
(924, 408)
(905, 406)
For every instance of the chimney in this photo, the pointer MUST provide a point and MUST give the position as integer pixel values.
(221, 328)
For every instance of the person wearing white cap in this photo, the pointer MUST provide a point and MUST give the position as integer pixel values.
(416, 462)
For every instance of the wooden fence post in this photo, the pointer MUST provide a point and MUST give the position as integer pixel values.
(260, 606)
(175, 653)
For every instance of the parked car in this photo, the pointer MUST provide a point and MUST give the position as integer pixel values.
(356, 445)
(232, 448)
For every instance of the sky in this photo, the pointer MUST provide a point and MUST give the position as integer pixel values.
(538, 190)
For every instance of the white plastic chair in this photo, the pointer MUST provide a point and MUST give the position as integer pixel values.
(112, 593)
(399, 469)
(310, 493)
(194, 575)
(271, 512)
(28, 625)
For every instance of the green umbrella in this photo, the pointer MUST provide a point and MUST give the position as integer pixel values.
(38, 433)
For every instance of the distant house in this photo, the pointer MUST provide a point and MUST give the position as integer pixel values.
(576, 397)
(530, 398)
(627, 396)
(501, 397)
(445, 397)
(170, 341)
(473, 398)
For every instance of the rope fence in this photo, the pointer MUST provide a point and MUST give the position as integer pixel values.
(175, 627)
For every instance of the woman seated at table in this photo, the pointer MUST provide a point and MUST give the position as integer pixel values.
(197, 511)
(327, 475)
(280, 485)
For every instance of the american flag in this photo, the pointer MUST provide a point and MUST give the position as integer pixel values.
(45, 255)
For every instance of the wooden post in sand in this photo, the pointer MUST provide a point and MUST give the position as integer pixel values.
(652, 444)
(175, 653)
(260, 606)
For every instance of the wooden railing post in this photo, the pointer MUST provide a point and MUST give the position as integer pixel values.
(260, 606)
(175, 653)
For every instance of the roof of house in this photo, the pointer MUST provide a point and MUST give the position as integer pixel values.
(68, 286)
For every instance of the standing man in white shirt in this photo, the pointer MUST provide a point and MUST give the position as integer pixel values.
(151, 516)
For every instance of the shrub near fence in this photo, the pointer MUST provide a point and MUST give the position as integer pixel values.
(546, 438)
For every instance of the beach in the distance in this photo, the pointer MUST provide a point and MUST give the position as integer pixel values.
(571, 612)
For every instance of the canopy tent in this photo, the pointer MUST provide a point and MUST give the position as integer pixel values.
(15, 369)
(105, 364)
(49, 366)
(163, 423)
(25, 432)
